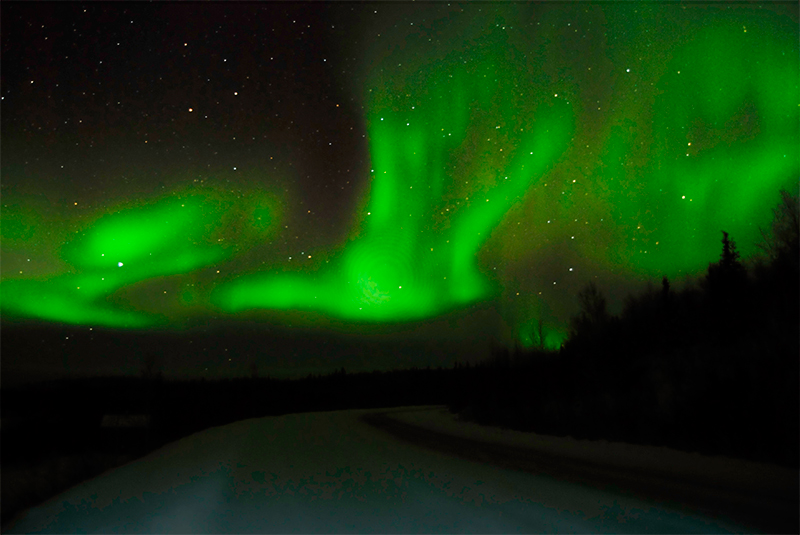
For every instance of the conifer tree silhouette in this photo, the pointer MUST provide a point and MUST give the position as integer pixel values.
(725, 279)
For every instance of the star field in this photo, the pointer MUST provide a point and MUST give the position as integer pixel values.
(358, 164)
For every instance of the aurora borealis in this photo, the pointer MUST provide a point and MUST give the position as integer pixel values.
(168, 165)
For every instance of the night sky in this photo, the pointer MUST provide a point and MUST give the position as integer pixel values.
(446, 171)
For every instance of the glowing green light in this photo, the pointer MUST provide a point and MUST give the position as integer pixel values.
(415, 255)
(176, 234)
(491, 146)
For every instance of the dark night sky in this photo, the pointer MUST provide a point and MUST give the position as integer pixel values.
(454, 171)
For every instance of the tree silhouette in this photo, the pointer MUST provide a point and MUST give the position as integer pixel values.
(781, 277)
(727, 276)
(783, 239)
(593, 314)
(540, 332)
(667, 298)
(729, 259)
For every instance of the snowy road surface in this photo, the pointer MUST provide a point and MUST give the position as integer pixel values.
(352, 471)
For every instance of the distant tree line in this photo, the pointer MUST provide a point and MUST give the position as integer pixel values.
(64, 416)
(711, 368)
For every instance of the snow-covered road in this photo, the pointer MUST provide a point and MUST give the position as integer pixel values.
(332, 472)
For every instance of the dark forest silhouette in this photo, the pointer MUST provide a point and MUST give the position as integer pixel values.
(711, 368)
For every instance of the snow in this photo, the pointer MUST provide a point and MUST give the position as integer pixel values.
(725, 471)
(331, 473)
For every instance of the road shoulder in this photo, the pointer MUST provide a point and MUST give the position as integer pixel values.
(757, 495)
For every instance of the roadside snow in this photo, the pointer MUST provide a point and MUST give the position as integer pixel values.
(724, 471)
(331, 473)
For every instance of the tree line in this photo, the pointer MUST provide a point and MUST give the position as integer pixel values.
(711, 368)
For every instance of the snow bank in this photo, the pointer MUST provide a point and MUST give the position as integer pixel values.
(724, 471)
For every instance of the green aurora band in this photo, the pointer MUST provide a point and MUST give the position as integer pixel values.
(476, 146)
(176, 234)
(414, 255)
